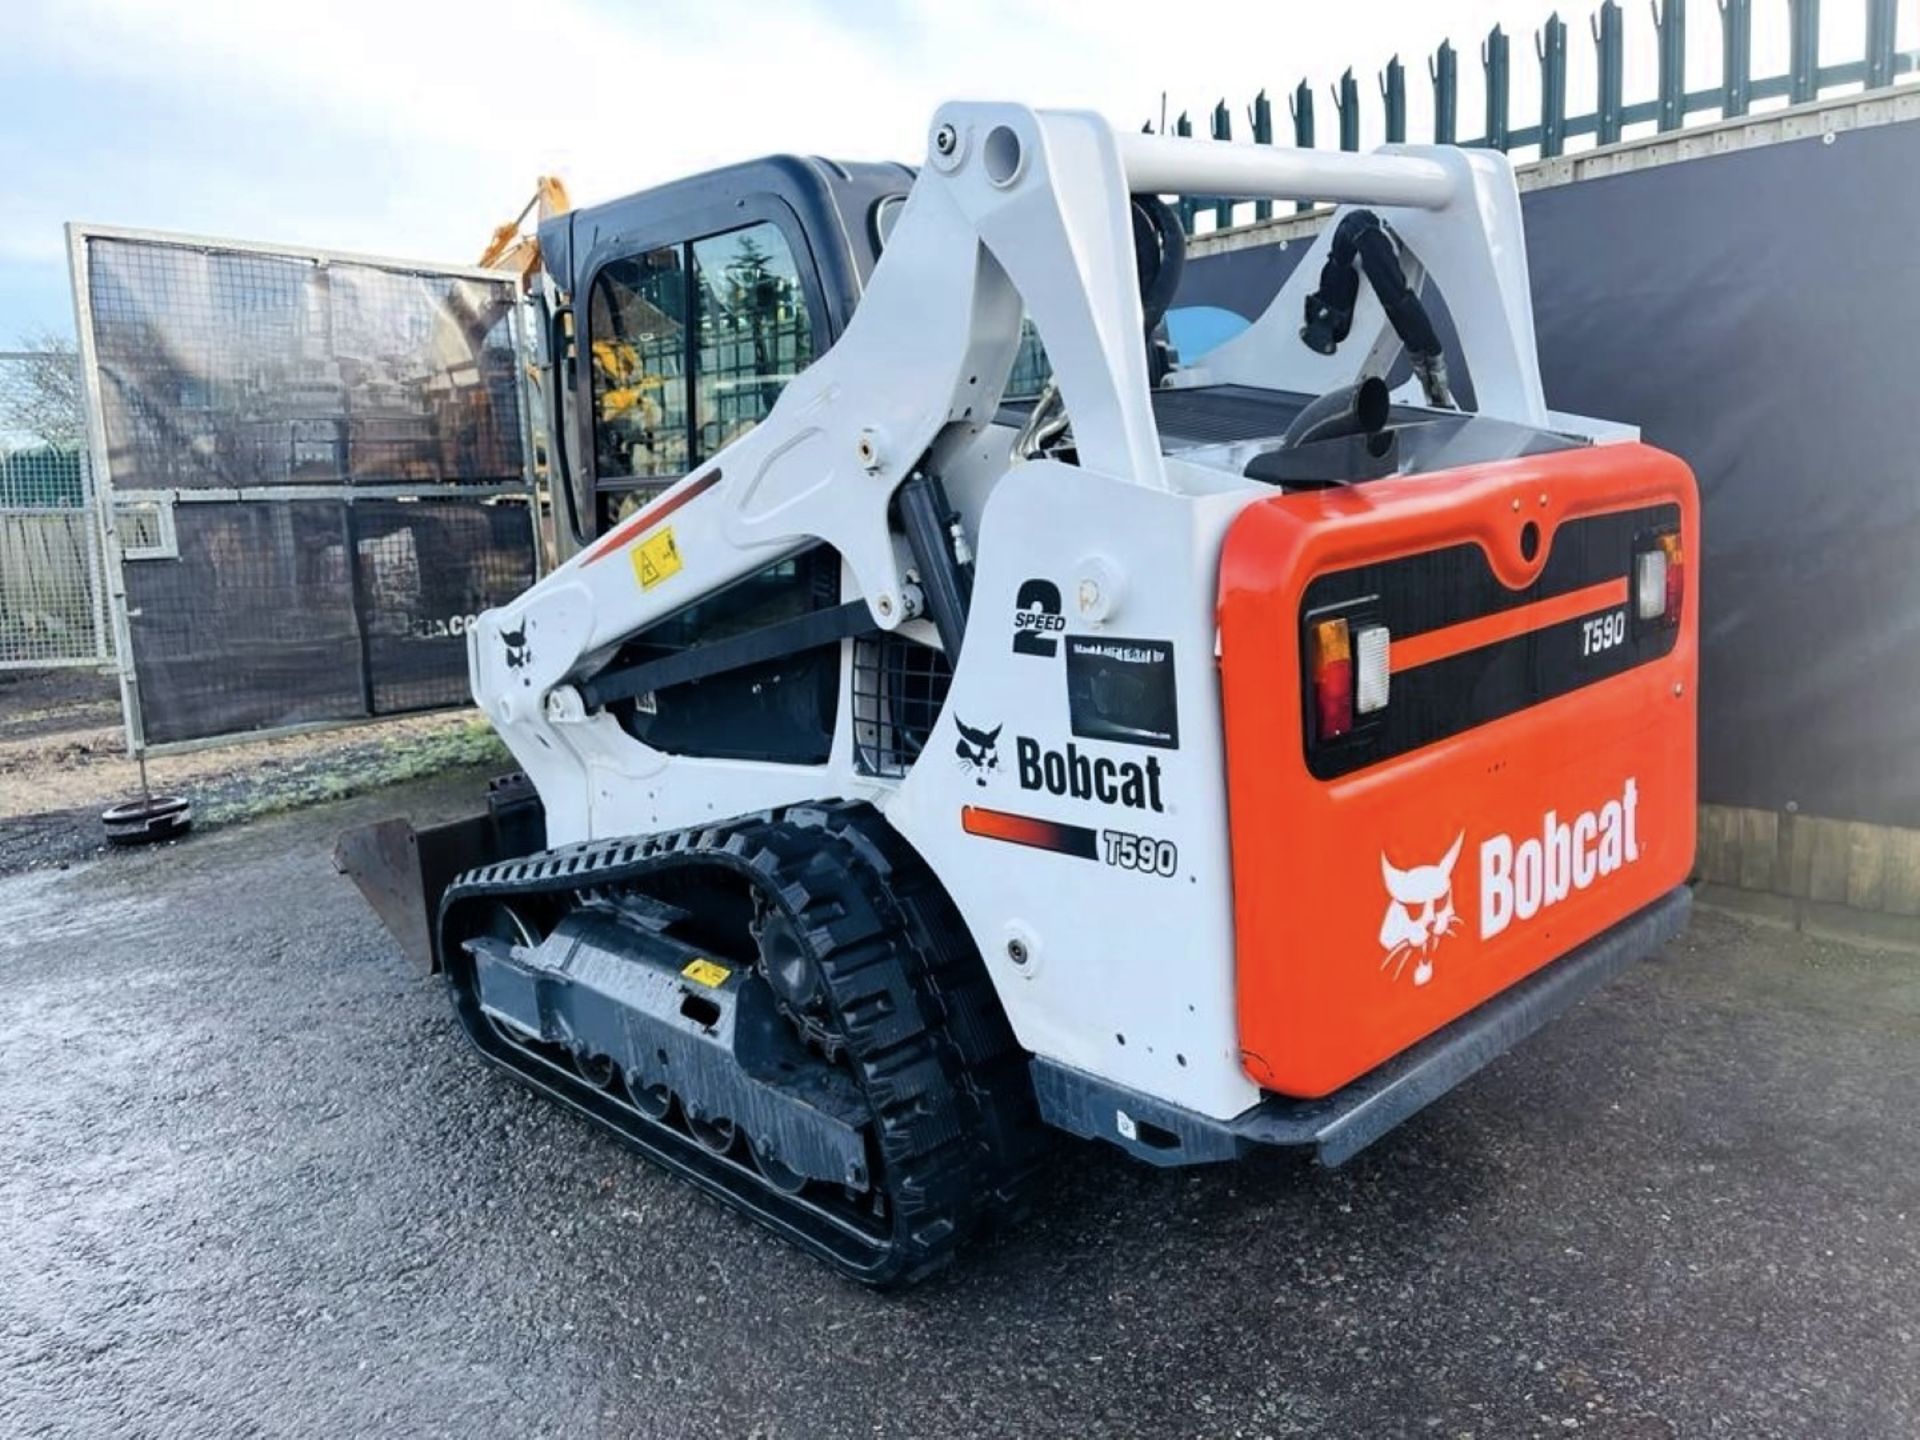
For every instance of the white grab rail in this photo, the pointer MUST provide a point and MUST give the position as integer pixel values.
(1168, 164)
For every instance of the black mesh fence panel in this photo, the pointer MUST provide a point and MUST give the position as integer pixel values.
(233, 369)
(313, 454)
(252, 627)
(425, 570)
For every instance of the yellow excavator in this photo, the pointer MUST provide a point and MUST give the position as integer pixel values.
(512, 247)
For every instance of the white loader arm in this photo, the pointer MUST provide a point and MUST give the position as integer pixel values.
(1016, 211)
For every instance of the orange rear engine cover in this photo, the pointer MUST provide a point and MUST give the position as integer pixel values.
(1529, 782)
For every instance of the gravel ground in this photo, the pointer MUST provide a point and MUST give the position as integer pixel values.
(253, 1183)
(63, 758)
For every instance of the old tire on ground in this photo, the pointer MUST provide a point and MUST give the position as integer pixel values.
(142, 822)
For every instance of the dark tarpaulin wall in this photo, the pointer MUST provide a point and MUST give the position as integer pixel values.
(1758, 314)
(303, 611)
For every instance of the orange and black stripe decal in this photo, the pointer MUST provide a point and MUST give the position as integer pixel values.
(1456, 639)
(650, 514)
(1030, 830)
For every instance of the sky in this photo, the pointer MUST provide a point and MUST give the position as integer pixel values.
(408, 128)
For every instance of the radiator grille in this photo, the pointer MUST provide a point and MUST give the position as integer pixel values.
(899, 686)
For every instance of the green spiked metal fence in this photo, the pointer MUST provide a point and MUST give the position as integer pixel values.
(1805, 79)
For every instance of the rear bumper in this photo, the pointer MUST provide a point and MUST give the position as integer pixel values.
(1340, 1125)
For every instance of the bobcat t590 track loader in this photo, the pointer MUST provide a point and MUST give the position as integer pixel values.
(1191, 757)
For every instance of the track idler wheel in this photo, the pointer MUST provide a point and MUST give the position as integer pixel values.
(780, 1177)
(599, 1071)
(653, 1101)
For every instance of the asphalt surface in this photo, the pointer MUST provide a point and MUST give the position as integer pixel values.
(252, 1182)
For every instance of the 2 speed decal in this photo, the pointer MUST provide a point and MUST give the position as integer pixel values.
(1037, 619)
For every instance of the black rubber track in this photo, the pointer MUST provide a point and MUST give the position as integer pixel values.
(922, 1031)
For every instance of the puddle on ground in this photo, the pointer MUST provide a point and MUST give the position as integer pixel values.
(43, 905)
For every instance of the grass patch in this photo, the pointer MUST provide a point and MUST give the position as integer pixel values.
(276, 786)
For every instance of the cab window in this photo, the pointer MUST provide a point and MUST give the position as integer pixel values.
(637, 327)
(755, 334)
(689, 346)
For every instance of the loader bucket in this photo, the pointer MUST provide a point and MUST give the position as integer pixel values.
(403, 871)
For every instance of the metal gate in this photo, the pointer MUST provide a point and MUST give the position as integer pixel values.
(314, 472)
(50, 607)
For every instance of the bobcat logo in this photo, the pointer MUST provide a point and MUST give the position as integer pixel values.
(1420, 912)
(516, 645)
(979, 750)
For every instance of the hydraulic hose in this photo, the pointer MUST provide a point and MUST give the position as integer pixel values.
(1361, 238)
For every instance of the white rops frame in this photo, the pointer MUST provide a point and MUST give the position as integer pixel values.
(107, 498)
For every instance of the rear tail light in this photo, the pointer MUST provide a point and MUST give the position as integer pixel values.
(1660, 580)
(1370, 668)
(1350, 675)
(1676, 575)
(1332, 679)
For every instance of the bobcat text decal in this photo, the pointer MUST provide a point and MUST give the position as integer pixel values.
(1132, 783)
(1518, 879)
(1517, 882)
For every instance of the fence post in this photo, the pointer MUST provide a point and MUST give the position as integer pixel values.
(1186, 208)
(1736, 56)
(1609, 38)
(97, 561)
(1550, 44)
(1444, 70)
(1883, 17)
(1803, 66)
(1302, 107)
(1346, 104)
(1393, 95)
(1222, 130)
(1670, 19)
(1262, 135)
(1493, 59)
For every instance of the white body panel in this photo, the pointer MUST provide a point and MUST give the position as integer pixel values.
(1127, 974)
(1130, 973)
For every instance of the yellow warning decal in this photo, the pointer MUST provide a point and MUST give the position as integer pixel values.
(656, 558)
(707, 973)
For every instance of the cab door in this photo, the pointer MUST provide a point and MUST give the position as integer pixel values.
(688, 323)
(690, 315)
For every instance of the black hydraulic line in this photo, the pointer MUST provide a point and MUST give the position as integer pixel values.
(1167, 247)
(1329, 310)
(947, 587)
(770, 642)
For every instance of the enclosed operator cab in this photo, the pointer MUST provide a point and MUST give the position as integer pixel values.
(679, 314)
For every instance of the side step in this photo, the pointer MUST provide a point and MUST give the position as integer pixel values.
(1340, 1125)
